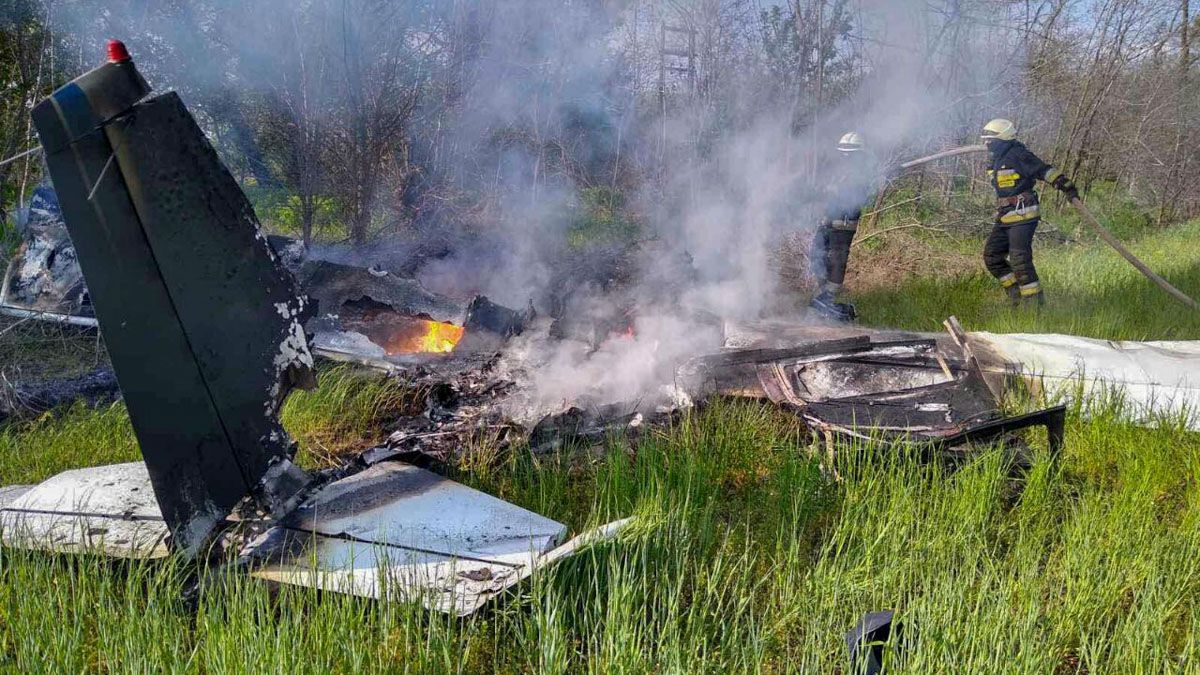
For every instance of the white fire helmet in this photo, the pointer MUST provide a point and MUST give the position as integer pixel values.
(850, 141)
(999, 130)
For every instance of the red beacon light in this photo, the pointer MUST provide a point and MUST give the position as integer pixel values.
(117, 53)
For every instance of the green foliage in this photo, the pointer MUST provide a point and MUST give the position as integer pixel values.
(9, 240)
(1112, 205)
(805, 47)
(909, 199)
(29, 70)
(9, 237)
(602, 218)
(281, 212)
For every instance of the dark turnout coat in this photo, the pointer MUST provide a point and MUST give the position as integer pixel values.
(1013, 173)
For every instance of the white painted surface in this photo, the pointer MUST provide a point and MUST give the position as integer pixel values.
(399, 532)
(1155, 378)
(105, 509)
(393, 531)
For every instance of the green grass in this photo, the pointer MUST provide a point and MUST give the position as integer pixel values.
(9, 240)
(746, 557)
(33, 450)
(346, 413)
(747, 553)
(1090, 290)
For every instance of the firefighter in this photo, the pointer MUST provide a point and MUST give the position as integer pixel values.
(1008, 252)
(851, 187)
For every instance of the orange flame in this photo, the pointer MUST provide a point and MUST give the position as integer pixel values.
(440, 337)
(410, 335)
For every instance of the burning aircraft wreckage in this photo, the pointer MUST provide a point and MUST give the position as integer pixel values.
(209, 325)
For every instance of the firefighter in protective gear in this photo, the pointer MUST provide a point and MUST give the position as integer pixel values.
(1014, 170)
(851, 187)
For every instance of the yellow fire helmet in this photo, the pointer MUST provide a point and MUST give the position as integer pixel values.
(999, 130)
(850, 141)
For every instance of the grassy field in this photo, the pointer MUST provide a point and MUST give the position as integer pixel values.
(1090, 290)
(747, 554)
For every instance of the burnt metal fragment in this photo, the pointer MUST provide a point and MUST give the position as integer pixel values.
(483, 314)
(333, 285)
(291, 252)
(867, 639)
(906, 389)
(910, 398)
(441, 402)
(43, 278)
(594, 424)
(733, 371)
(94, 388)
(373, 316)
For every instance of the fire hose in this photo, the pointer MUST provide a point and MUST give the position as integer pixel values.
(1087, 218)
(1133, 260)
(944, 154)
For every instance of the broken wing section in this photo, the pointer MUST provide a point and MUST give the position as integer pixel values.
(392, 532)
(105, 509)
(399, 532)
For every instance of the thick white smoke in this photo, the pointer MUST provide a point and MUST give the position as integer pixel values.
(550, 94)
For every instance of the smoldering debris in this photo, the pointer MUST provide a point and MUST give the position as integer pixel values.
(205, 330)
(209, 331)
(335, 286)
(856, 384)
(926, 390)
(44, 278)
(366, 314)
(375, 317)
(607, 361)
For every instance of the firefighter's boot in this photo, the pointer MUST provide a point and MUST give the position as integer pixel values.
(825, 303)
(1031, 296)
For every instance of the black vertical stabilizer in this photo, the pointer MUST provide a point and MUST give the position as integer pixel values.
(202, 322)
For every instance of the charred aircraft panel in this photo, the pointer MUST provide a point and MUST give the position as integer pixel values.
(334, 285)
(203, 324)
(863, 384)
(899, 389)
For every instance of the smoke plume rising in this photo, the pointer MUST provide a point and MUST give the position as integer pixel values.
(558, 111)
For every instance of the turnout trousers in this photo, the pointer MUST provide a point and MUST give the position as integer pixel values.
(1008, 255)
(831, 252)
